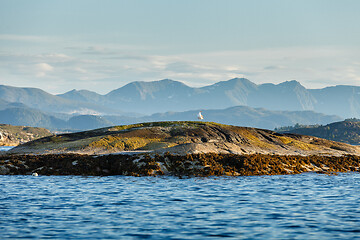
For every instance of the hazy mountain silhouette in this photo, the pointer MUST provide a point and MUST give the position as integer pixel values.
(341, 100)
(240, 116)
(290, 95)
(85, 122)
(167, 95)
(250, 117)
(84, 96)
(30, 117)
(5, 104)
(41, 100)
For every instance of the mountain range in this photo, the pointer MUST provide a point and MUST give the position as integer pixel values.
(167, 95)
(237, 101)
(240, 116)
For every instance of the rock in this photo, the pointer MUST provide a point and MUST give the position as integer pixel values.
(183, 138)
(210, 164)
(4, 170)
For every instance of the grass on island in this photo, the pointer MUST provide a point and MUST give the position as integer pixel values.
(158, 135)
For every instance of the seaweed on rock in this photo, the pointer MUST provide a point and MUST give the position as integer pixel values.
(210, 164)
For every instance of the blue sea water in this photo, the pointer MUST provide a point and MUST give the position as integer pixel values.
(305, 206)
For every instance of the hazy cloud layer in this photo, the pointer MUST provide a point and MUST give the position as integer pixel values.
(103, 68)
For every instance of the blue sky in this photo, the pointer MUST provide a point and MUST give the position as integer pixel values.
(101, 45)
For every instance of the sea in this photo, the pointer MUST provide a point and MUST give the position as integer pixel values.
(304, 206)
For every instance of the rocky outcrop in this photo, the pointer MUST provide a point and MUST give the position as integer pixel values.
(188, 165)
(347, 131)
(7, 140)
(183, 138)
(14, 135)
(180, 149)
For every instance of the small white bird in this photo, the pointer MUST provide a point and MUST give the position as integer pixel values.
(200, 116)
(35, 174)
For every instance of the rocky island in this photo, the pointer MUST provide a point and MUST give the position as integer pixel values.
(179, 148)
(11, 135)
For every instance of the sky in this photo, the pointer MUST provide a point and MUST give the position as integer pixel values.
(101, 45)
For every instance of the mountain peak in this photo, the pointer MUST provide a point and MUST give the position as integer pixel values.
(239, 80)
(291, 83)
(234, 82)
(72, 91)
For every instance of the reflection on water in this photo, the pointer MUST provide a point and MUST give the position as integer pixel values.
(305, 206)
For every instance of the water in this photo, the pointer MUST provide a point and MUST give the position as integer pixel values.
(306, 206)
(5, 148)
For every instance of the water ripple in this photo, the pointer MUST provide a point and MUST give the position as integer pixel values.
(305, 206)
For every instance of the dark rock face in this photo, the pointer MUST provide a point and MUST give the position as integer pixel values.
(347, 131)
(189, 165)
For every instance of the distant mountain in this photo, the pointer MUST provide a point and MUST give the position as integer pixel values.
(36, 98)
(36, 118)
(145, 98)
(30, 117)
(168, 95)
(41, 100)
(86, 122)
(239, 116)
(249, 117)
(341, 100)
(84, 96)
(347, 131)
(290, 95)
(165, 95)
(5, 104)
(150, 97)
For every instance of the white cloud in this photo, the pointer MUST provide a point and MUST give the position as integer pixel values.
(112, 68)
(44, 67)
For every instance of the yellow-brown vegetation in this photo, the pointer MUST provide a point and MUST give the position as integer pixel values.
(189, 165)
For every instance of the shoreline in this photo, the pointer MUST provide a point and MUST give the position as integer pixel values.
(205, 164)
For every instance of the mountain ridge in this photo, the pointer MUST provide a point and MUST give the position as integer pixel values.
(147, 98)
(159, 96)
(238, 115)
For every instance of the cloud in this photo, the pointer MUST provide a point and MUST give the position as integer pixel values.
(108, 68)
(44, 67)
